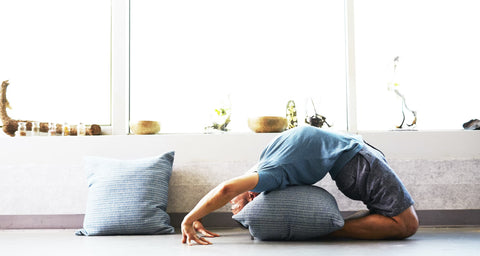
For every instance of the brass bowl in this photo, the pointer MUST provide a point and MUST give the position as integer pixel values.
(145, 127)
(264, 124)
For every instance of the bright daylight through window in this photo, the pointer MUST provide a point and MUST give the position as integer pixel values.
(438, 48)
(188, 58)
(192, 61)
(56, 56)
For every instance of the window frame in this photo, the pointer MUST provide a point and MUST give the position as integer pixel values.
(47, 35)
(443, 144)
(120, 65)
(121, 62)
(120, 68)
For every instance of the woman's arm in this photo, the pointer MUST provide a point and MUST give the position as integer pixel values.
(216, 198)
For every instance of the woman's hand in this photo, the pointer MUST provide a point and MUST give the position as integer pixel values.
(189, 233)
(198, 226)
(213, 200)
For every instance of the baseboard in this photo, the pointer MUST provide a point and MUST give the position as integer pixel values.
(449, 217)
(60, 221)
(223, 219)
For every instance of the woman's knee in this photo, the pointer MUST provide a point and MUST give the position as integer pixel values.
(407, 222)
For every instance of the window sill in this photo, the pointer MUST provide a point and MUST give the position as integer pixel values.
(238, 146)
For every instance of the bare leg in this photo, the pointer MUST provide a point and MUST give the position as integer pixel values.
(377, 226)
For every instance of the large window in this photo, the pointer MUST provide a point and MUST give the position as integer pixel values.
(56, 55)
(188, 58)
(438, 46)
(191, 57)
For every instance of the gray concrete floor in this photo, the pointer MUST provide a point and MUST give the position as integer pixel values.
(236, 241)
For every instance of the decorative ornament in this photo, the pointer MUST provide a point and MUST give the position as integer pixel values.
(316, 120)
(291, 115)
(221, 118)
(394, 85)
(473, 124)
(10, 126)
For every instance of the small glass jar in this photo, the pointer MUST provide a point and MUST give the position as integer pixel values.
(81, 129)
(22, 129)
(35, 128)
(52, 129)
(73, 130)
(66, 129)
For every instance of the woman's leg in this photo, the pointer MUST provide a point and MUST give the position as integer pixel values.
(376, 226)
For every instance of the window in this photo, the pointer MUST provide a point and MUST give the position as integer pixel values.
(56, 55)
(190, 57)
(437, 43)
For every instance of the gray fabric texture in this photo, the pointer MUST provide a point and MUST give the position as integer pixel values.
(127, 197)
(294, 213)
(368, 178)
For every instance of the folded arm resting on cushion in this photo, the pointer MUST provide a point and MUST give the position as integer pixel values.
(216, 198)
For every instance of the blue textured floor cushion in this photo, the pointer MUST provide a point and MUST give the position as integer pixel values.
(293, 213)
(127, 197)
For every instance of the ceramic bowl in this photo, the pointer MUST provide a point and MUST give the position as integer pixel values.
(145, 127)
(263, 124)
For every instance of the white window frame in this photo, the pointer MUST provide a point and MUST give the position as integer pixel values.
(120, 67)
(350, 68)
(120, 80)
(443, 144)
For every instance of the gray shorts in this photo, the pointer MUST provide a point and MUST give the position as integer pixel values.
(368, 178)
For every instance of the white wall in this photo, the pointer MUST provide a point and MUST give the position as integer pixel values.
(44, 176)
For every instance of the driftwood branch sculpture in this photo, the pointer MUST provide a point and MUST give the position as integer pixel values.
(10, 126)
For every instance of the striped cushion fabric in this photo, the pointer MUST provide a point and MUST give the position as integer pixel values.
(293, 213)
(127, 197)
